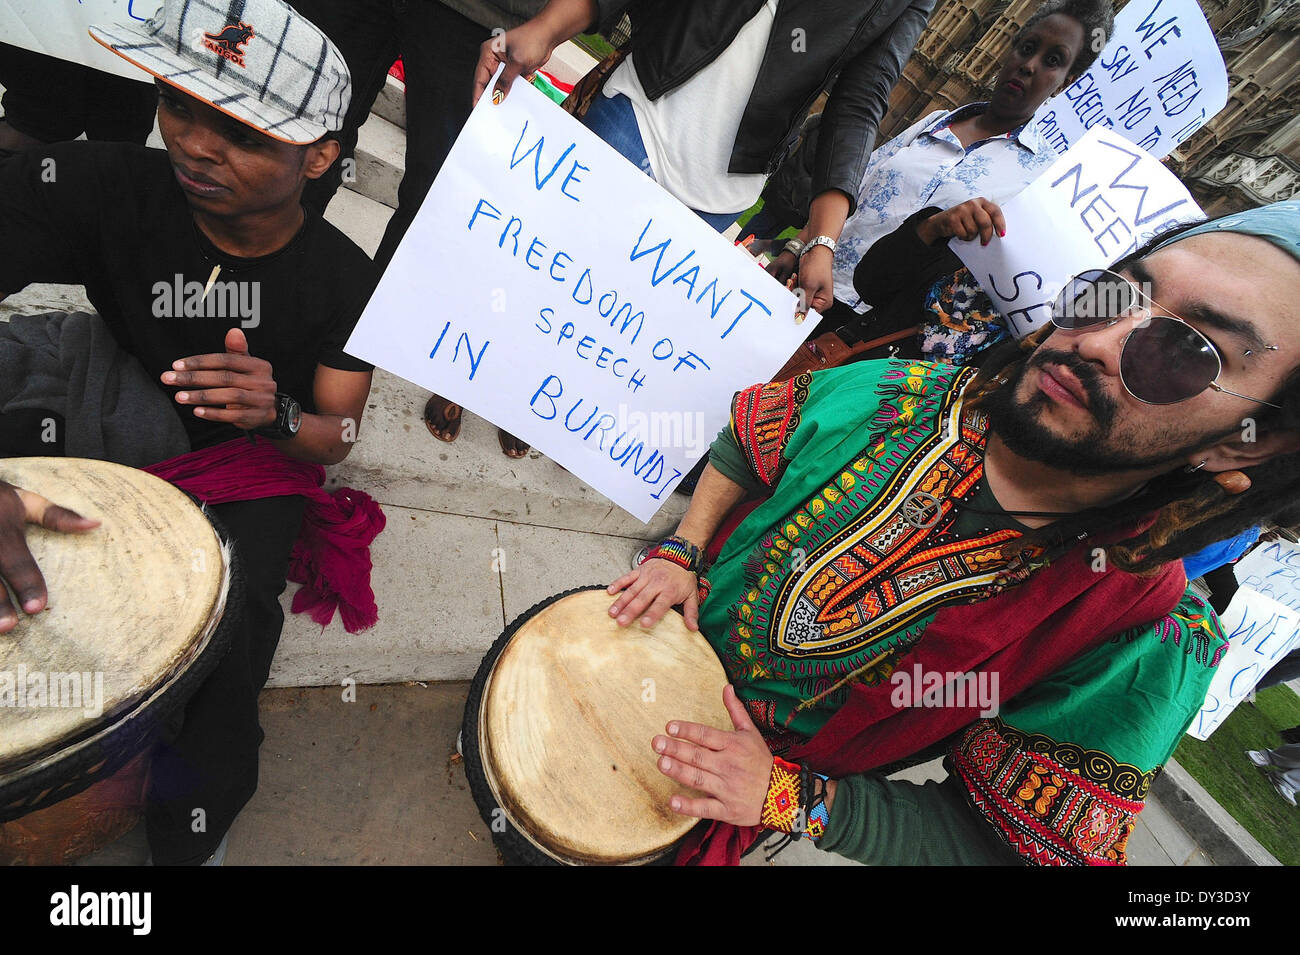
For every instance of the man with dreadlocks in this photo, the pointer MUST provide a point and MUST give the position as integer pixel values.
(926, 532)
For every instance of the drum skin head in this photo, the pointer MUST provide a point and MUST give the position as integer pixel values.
(567, 719)
(128, 600)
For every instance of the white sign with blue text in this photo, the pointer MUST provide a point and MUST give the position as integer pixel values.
(1260, 631)
(59, 28)
(550, 286)
(1272, 569)
(1159, 79)
(1097, 203)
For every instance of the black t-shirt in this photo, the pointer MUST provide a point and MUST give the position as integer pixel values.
(111, 216)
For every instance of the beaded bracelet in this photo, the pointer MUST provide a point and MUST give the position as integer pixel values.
(818, 815)
(795, 803)
(679, 551)
(783, 801)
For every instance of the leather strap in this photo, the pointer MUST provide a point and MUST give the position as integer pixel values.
(829, 350)
(588, 88)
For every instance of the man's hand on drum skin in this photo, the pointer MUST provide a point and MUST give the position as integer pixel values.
(652, 590)
(18, 569)
(732, 769)
(233, 387)
(973, 219)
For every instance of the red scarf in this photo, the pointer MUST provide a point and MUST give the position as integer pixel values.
(1024, 635)
(331, 557)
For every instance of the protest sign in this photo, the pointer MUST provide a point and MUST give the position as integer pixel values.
(1260, 632)
(58, 28)
(1272, 569)
(1158, 80)
(1095, 204)
(550, 286)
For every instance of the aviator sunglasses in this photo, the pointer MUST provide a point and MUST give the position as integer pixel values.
(1164, 360)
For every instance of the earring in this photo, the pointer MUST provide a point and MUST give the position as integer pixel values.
(1192, 470)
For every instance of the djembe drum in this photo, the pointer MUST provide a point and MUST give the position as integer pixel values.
(137, 618)
(558, 726)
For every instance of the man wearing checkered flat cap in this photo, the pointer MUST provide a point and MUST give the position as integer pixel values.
(234, 304)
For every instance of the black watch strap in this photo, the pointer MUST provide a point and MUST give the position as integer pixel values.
(288, 417)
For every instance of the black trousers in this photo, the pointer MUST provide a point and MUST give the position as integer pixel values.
(54, 100)
(439, 49)
(205, 766)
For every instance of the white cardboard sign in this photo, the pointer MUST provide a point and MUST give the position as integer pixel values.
(1158, 80)
(58, 28)
(550, 286)
(1095, 204)
(1272, 569)
(1260, 632)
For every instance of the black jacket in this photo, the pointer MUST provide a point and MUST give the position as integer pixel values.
(857, 46)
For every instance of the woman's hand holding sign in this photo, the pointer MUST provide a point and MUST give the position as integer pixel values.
(525, 49)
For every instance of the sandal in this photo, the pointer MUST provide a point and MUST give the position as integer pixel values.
(511, 446)
(441, 415)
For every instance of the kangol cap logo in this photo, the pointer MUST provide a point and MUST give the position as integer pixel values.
(230, 41)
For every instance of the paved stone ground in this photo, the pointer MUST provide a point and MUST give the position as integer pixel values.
(376, 782)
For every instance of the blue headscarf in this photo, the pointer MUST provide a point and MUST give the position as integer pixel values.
(1279, 223)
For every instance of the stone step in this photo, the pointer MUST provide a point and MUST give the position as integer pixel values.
(380, 160)
(360, 218)
(398, 461)
(473, 539)
(570, 62)
(446, 585)
(391, 102)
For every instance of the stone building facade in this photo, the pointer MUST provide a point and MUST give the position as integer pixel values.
(1247, 155)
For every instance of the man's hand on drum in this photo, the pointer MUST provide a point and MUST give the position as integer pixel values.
(652, 590)
(731, 769)
(232, 387)
(18, 569)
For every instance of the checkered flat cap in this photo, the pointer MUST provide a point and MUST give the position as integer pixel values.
(259, 61)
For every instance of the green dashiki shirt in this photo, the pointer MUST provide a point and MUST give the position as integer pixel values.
(833, 580)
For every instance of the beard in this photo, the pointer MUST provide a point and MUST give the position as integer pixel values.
(1098, 450)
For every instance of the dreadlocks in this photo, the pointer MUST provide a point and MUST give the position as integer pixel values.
(1190, 511)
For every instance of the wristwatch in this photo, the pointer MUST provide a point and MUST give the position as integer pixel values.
(820, 240)
(288, 418)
